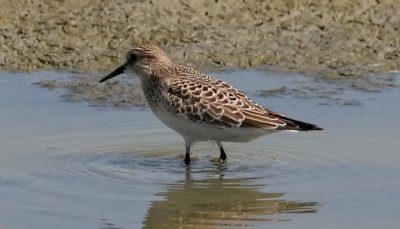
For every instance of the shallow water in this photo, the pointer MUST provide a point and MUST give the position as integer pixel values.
(71, 165)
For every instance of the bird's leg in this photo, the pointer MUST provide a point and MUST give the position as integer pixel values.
(187, 155)
(222, 155)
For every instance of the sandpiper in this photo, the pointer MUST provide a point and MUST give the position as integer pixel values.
(198, 106)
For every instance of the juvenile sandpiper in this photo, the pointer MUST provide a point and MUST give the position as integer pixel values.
(198, 106)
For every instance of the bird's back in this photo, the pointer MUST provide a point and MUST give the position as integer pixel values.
(203, 99)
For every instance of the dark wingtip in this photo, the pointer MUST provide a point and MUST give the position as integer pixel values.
(303, 126)
(299, 125)
(314, 127)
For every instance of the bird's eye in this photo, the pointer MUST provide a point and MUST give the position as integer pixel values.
(131, 57)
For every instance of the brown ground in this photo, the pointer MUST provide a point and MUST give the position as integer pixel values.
(333, 39)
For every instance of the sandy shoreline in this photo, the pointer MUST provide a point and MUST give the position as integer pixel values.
(333, 40)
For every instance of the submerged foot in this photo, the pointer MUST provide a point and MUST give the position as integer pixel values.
(220, 160)
(187, 159)
(217, 160)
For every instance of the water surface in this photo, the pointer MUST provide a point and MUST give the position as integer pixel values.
(71, 165)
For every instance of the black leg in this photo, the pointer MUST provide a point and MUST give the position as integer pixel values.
(187, 155)
(222, 155)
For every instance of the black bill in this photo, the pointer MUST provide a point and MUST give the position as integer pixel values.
(116, 72)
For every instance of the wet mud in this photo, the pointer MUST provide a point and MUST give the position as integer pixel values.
(332, 39)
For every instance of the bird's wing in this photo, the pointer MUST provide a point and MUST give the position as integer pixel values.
(209, 100)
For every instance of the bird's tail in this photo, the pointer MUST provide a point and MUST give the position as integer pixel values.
(293, 124)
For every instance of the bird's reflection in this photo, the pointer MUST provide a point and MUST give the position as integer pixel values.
(217, 201)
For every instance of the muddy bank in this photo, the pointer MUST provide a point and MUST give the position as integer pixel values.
(84, 87)
(125, 92)
(334, 39)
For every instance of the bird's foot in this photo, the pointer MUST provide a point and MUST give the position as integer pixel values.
(217, 160)
(189, 159)
(220, 160)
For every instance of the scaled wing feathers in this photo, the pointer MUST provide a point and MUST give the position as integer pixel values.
(202, 98)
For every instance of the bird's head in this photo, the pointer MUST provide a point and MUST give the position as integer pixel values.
(144, 60)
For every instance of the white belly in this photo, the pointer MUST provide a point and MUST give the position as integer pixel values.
(205, 132)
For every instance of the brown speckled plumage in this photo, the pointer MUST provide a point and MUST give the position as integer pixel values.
(192, 102)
